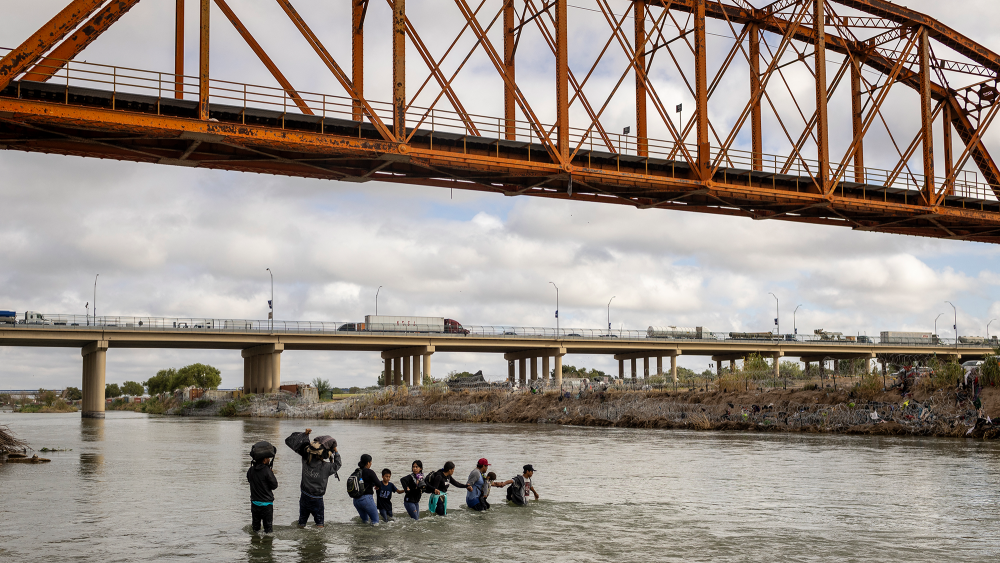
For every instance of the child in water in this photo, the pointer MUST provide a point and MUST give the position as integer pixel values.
(262, 485)
(385, 491)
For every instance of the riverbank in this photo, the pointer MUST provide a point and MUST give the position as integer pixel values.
(923, 412)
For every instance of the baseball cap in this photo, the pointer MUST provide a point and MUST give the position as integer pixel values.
(482, 461)
(528, 468)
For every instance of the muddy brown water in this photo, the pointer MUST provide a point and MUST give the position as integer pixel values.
(153, 488)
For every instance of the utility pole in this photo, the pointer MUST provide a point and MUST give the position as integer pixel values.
(613, 298)
(557, 307)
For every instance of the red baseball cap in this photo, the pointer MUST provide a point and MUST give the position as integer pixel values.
(482, 461)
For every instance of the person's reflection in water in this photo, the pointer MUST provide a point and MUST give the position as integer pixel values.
(312, 546)
(261, 549)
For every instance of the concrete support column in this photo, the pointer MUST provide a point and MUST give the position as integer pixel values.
(94, 364)
(427, 369)
(732, 366)
(659, 366)
(822, 369)
(275, 371)
(634, 374)
(621, 369)
(510, 371)
(883, 367)
(545, 368)
(406, 371)
(522, 369)
(808, 365)
(718, 369)
(266, 375)
(534, 369)
(254, 373)
(777, 366)
(397, 373)
(673, 368)
(415, 371)
(247, 371)
(558, 374)
(645, 368)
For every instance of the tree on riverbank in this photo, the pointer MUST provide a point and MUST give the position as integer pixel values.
(133, 389)
(197, 375)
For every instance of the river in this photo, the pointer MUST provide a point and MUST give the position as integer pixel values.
(155, 488)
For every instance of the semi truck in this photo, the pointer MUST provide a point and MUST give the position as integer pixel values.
(697, 332)
(898, 337)
(385, 323)
(35, 318)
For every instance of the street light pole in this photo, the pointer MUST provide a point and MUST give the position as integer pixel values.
(86, 309)
(270, 304)
(935, 324)
(795, 327)
(988, 328)
(95, 298)
(557, 307)
(954, 326)
(613, 298)
(376, 299)
(777, 314)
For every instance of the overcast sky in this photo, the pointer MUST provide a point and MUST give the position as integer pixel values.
(195, 243)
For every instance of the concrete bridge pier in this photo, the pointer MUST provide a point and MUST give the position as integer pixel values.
(659, 366)
(402, 365)
(527, 362)
(645, 368)
(510, 371)
(545, 369)
(634, 375)
(534, 369)
(262, 368)
(621, 369)
(522, 374)
(94, 364)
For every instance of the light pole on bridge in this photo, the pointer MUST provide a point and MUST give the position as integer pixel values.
(376, 299)
(557, 307)
(95, 298)
(270, 304)
(935, 324)
(954, 326)
(988, 328)
(795, 327)
(613, 298)
(777, 314)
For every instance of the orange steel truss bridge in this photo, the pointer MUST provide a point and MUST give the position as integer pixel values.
(881, 82)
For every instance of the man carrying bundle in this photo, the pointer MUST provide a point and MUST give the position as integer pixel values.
(320, 459)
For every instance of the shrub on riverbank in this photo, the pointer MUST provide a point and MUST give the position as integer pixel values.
(57, 406)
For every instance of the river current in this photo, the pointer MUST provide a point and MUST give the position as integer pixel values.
(155, 488)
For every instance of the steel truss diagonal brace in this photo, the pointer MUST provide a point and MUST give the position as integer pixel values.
(48, 35)
(79, 40)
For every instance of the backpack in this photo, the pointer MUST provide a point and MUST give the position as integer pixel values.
(262, 450)
(355, 484)
(515, 492)
(428, 488)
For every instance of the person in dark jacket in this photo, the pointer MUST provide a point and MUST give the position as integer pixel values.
(320, 460)
(439, 482)
(365, 504)
(413, 489)
(262, 484)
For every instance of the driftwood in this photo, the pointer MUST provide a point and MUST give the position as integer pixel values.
(16, 458)
(9, 444)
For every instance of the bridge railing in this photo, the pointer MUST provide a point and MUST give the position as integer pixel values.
(223, 325)
(248, 100)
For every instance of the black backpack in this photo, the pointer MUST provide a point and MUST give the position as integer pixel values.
(262, 450)
(428, 488)
(355, 484)
(515, 492)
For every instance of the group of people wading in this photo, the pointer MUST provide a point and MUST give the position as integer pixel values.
(320, 460)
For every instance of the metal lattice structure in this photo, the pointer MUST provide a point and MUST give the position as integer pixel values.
(866, 58)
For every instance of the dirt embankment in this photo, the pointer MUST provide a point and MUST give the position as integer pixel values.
(923, 413)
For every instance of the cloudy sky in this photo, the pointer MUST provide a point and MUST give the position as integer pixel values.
(194, 243)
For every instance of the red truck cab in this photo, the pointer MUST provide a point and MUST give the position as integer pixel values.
(452, 326)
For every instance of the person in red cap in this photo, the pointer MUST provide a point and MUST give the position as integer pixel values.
(478, 487)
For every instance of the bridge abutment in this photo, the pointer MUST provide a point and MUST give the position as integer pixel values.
(94, 364)
(262, 368)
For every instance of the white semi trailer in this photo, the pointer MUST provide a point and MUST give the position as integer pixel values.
(898, 337)
(385, 323)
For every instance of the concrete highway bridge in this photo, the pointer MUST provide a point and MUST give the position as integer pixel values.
(407, 356)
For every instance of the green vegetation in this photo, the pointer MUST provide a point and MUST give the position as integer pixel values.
(111, 390)
(57, 406)
(133, 389)
(582, 372)
(72, 394)
(990, 369)
(47, 398)
(235, 407)
(169, 380)
(790, 370)
(323, 387)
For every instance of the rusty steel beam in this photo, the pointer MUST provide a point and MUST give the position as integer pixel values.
(73, 45)
(204, 43)
(926, 120)
(34, 47)
(641, 131)
(358, 10)
(946, 142)
(822, 119)
(399, 69)
(562, 80)
(271, 67)
(701, 91)
(857, 118)
(179, 50)
(756, 136)
(509, 100)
